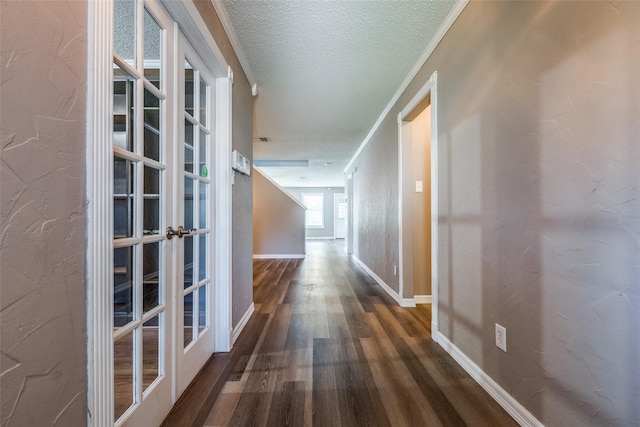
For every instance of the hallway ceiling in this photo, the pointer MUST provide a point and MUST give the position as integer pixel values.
(325, 71)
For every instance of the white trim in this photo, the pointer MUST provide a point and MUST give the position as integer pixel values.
(237, 330)
(321, 237)
(223, 224)
(99, 255)
(435, 284)
(518, 412)
(437, 38)
(403, 302)
(278, 256)
(196, 31)
(422, 299)
(430, 88)
(291, 196)
(400, 211)
(235, 44)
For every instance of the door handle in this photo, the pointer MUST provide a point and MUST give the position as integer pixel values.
(181, 231)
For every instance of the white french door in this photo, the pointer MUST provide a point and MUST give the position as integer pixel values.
(142, 196)
(160, 255)
(194, 334)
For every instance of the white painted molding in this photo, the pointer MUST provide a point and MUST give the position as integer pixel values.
(402, 302)
(223, 223)
(237, 330)
(291, 196)
(321, 238)
(196, 31)
(278, 256)
(435, 212)
(99, 255)
(518, 412)
(400, 211)
(422, 299)
(437, 38)
(235, 44)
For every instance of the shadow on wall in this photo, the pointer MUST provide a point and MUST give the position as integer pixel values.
(540, 142)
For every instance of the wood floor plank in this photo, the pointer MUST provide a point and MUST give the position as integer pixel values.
(325, 396)
(287, 405)
(254, 404)
(405, 403)
(447, 413)
(276, 335)
(358, 397)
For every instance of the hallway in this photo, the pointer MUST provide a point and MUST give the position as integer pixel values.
(327, 347)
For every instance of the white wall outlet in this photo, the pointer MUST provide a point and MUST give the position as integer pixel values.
(418, 186)
(501, 337)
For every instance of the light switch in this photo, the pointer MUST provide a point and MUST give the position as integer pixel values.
(418, 186)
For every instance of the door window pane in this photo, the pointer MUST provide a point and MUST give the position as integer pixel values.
(151, 221)
(124, 30)
(203, 102)
(122, 286)
(188, 318)
(188, 203)
(188, 261)
(123, 374)
(202, 308)
(151, 126)
(123, 198)
(150, 351)
(152, 49)
(150, 276)
(202, 154)
(202, 221)
(188, 87)
(202, 259)
(123, 125)
(188, 146)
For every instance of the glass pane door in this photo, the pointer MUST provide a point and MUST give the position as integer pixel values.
(140, 209)
(195, 210)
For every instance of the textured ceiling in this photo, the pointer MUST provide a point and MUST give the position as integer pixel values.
(325, 71)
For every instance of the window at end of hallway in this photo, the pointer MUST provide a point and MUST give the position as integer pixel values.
(315, 209)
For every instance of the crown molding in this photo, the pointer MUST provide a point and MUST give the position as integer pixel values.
(218, 5)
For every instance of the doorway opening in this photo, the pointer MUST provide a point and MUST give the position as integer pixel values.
(417, 185)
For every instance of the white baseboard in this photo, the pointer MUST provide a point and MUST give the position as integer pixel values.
(402, 302)
(278, 256)
(242, 323)
(422, 299)
(518, 412)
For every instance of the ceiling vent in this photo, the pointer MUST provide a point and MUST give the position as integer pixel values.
(264, 139)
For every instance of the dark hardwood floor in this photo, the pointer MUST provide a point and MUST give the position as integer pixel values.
(328, 347)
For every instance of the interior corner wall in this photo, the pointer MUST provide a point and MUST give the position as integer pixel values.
(43, 318)
(538, 107)
(328, 231)
(242, 193)
(278, 220)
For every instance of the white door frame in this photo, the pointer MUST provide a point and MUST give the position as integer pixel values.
(349, 188)
(429, 89)
(99, 178)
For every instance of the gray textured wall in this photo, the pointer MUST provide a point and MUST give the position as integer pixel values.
(278, 221)
(539, 139)
(329, 205)
(42, 222)
(242, 215)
